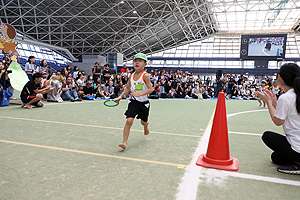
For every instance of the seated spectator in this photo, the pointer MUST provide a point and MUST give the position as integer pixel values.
(102, 91)
(96, 84)
(30, 67)
(75, 73)
(90, 79)
(205, 94)
(208, 82)
(69, 91)
(60, 77)
(246, 94)
(186, 91)
(43, 67)
(235, 92)
(80, 80)
(157, 88)
(80, 92)
(119, 88)
(196, 94)
(168, 86)
(203, 91)
(108, 81)
(179, 92)
(54, 95)
(69, 68)
(88, 91)
(224, 90)
(44, 79)
(31, 94)
(118, 79)
(171, 93)
(110, 90)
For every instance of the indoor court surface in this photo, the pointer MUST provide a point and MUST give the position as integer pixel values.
(256, 49)
(70, 151)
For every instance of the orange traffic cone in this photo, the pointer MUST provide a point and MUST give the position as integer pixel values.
(217, 155)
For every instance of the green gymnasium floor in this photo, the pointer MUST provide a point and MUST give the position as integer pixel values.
(70, 151)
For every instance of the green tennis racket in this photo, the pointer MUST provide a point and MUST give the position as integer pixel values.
(110, 103)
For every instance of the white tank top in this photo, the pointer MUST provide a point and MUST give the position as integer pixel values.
(139, 86)
(275, 90)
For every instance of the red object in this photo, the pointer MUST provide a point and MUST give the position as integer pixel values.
(217, 155)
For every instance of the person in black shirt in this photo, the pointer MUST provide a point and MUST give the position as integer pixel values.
(96, 72)
(106, 73)
(31, 95)
(88, 90)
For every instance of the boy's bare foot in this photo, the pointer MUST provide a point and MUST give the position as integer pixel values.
(23, 104)
(28, 106)
(123, 146)
(146, 131)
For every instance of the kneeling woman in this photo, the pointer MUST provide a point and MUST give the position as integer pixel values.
(285, 112)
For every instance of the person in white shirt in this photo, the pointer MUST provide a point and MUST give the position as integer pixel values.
(285, 112)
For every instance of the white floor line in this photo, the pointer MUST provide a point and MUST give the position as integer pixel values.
(240, 133)
(187, 189)
(262, 178)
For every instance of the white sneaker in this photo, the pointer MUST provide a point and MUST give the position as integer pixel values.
(13, 98)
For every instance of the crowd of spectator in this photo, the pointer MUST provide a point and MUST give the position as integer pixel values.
(178, 84)
(73, 84)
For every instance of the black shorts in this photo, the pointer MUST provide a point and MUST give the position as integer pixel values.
(26, 99)
(139, 109)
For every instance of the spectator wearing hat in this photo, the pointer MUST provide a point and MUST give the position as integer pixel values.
(80, 92)
(69, 92)
(88, 91)
(30, 67)
(44, 78)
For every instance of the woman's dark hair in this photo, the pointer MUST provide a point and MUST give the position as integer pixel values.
(69, 67)
(29, 58)
(290, 74)
(42, 63)
(76, 68)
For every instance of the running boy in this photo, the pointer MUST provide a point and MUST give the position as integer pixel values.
(140, 86)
